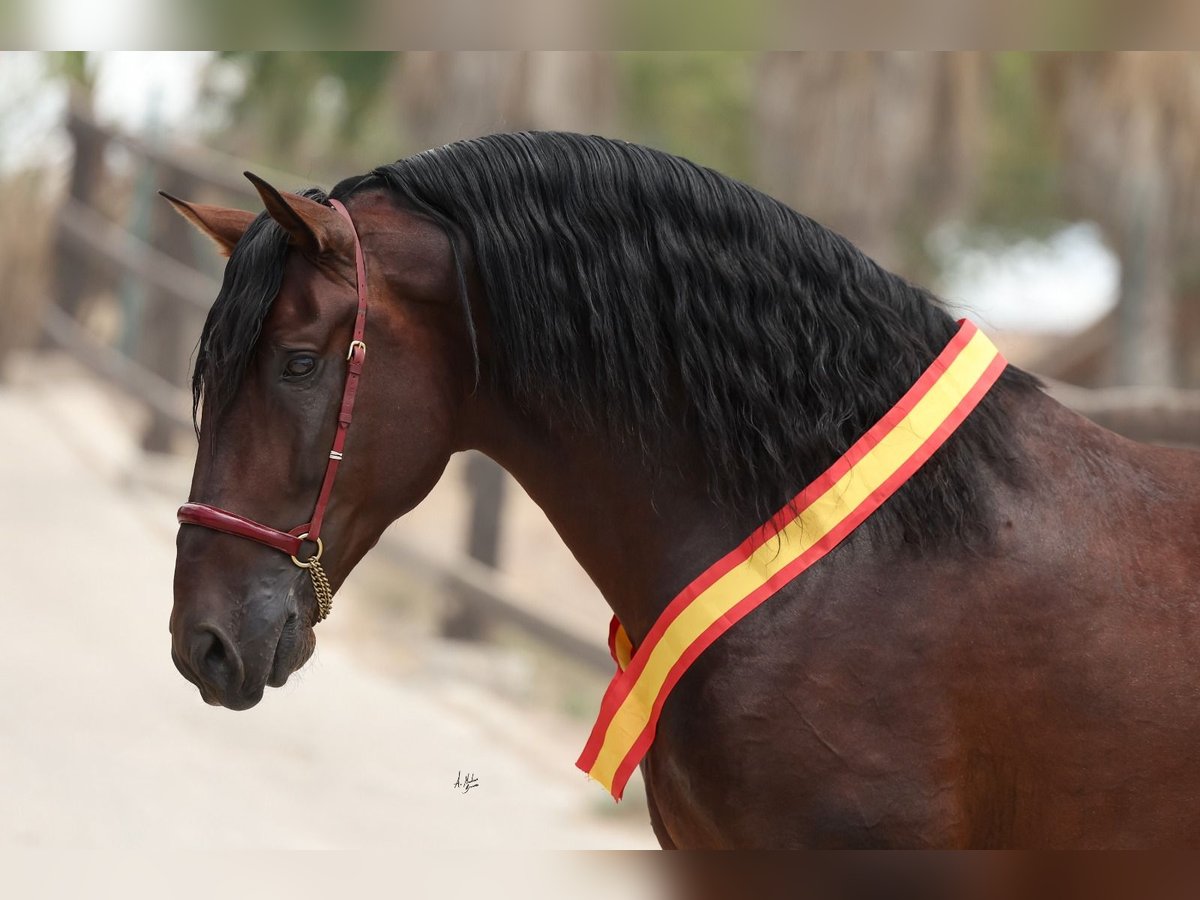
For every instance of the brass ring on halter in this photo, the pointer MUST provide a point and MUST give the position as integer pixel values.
(307, 564)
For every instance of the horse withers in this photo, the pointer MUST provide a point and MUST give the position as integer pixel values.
(1001, 652)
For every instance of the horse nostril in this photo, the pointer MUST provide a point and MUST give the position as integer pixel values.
(215, 656)
(215, 661)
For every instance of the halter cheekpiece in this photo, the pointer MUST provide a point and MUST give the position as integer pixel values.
(292, 542)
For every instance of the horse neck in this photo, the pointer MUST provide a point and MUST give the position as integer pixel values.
(640, 536)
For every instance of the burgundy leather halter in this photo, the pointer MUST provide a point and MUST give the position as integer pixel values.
(292, 542)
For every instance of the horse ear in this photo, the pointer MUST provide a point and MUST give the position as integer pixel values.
(314, 227)
(225, 226)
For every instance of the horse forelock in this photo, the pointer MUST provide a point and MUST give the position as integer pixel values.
(232, 328)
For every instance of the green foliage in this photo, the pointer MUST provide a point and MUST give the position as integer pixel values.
(331, 111)
(278, 109)
(693, 24)
(695, 104)
(73, 65)
(296, 23)
(1020, 178)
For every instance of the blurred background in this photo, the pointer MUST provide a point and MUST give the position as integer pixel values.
(1051, 197)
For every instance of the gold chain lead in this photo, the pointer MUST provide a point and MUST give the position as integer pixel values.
(323, 591)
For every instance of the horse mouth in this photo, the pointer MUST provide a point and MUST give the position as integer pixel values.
(295, 646)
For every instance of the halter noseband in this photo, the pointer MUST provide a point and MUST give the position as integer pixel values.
(291, 542)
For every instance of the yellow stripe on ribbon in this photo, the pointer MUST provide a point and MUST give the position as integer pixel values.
(837, 502)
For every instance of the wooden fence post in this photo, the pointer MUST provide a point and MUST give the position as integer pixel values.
(73, 271)
(486, 483)
(162, 345)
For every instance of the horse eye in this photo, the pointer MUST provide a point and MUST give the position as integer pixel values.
(299, 366)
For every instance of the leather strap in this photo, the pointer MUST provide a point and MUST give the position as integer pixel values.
(356, 356)
(208, 516)
(231, 523)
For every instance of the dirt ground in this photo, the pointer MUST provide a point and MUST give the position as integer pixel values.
(104, 745)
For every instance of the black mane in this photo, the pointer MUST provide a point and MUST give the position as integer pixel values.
(635, 294)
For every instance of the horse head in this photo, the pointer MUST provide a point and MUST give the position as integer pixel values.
(271, 384)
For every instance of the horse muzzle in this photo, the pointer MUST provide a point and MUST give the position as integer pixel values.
(235, 675)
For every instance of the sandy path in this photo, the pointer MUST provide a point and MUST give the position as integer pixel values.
(102, 744)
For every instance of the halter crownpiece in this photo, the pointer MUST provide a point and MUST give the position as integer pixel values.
(292, 542)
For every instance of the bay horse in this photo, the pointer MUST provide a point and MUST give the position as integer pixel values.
(1005, 654)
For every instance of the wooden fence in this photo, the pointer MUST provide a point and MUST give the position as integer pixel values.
(165, 295)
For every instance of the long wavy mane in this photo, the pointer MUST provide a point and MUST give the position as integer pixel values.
(637, 295)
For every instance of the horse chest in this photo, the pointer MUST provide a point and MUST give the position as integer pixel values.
(800, 746)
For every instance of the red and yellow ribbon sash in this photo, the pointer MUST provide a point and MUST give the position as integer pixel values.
(819, 518)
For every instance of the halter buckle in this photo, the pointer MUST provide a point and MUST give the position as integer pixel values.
(315, 558)
(353, 344)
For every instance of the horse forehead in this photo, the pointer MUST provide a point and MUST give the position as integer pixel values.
(404, 249)
(307, 294)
